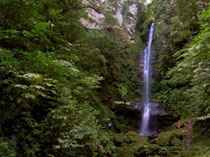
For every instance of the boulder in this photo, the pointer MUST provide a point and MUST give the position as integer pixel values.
(132, 144)
(165, 120)
(170, 138)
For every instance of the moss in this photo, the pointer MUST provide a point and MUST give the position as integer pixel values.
(153, 141)
(170, 138)
(123, 128)
(132, 144)
(174, 148)
(163, 139)
(119, 32)
(137, 149)
(199, 140)
(129, 138)
(186, 154)
(177, 142)
(177, 133)
(200, 145)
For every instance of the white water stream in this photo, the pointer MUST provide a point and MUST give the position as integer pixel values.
(147, 105)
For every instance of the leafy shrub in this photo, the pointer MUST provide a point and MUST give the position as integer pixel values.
(25, 101)
(6, 149)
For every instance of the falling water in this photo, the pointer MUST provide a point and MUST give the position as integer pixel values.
(147, 105)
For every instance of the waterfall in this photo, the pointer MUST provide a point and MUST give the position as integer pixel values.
(147, 105)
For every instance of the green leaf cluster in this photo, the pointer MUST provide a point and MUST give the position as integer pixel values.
(192, 72)
(180, 57)
(26, 98)
(57, 78)
(6, 148)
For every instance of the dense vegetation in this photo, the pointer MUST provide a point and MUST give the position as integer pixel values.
(182, 58)
(58, 78)
(181, 55)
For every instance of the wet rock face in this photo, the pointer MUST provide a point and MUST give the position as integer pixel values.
(160, 120)
(131, 115)
(164, 119)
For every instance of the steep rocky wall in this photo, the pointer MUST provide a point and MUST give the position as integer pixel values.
(124, 12)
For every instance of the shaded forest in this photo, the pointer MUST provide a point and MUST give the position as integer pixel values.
(59, 79)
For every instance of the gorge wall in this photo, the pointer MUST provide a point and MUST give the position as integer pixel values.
(103, 14)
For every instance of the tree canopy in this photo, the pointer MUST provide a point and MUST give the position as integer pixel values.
(58, 78)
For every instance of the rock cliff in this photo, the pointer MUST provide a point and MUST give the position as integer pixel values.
(109, 13)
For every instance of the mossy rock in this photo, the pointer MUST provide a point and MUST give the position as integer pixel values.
(186, 154)
(201, 151)
(163, 139)
(174, 151)
(176, 142)
(128, 138)
(132, 144)
(166, 138)
(177, 133)
(174, 148)
(136, 149)
(153, 141)
(123, 128)
(136, 137)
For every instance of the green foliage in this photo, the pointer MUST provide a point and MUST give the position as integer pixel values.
(204, 117)
(57, 78)
(180, 55)
(25, 101)
(123, 90)
(7, 58)
(109, 20)
(200, 145)
(174, 27)
(114, 56)
(171, 138)
(192, 71)
(6, 149)
(131, 145)
(78, 130)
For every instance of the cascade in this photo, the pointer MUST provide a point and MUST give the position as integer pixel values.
(146, 117)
